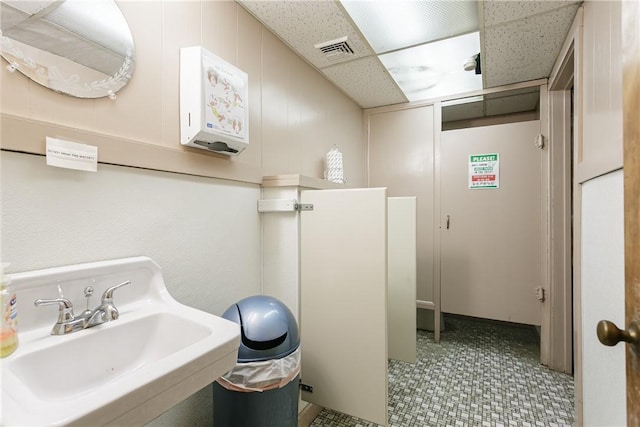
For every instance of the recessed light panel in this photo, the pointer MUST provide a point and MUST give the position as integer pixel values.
(435, 69)
(391, 25)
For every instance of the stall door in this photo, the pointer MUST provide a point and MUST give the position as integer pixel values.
(343, 320)
(491, 236)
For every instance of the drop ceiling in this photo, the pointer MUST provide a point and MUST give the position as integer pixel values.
(519, 40)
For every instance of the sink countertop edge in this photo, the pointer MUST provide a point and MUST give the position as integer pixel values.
(166, 399)
(137, 403)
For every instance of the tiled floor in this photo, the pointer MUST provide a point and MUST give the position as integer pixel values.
(481, 374)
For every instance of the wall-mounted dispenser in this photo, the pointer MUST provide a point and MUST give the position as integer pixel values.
(214, 109)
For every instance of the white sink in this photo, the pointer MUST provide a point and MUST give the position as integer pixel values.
(124, 372)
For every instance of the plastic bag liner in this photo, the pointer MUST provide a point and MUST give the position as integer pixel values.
(261, 376)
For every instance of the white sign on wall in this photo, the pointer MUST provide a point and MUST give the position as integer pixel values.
(71, 155)
(484, 171)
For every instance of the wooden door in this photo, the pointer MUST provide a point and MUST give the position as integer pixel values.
(631, 135)
(491, 254)
(343, 293)
(608, 333)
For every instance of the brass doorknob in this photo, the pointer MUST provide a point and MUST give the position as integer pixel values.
(609, 334)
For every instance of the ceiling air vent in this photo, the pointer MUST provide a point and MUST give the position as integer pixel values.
(335, 50)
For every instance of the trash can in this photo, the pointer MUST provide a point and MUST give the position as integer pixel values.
(262, 389)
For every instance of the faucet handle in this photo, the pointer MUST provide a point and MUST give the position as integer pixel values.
(65, 312)
(108, 309)
(67, 322)
(108, 294)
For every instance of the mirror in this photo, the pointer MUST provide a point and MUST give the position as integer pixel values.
(469, 112)
(82, 48)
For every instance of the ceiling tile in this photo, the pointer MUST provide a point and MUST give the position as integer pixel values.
(391, 25)
(525, 49)
(497, 12)
(366, 81)
(303, 24)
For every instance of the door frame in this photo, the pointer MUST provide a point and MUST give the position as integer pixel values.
(556, 343)
(561, 335)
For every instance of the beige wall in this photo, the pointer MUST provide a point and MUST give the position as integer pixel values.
(296, 115)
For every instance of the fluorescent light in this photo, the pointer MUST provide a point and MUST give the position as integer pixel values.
(435, 69)
(390, 25)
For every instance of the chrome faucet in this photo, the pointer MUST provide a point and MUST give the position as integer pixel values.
(67, 322)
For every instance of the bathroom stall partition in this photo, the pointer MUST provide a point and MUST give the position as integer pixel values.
(480, 247)
(329, 261)
(402, 271)
(402, 159)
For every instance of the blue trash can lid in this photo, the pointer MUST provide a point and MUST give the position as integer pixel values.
(268, 328)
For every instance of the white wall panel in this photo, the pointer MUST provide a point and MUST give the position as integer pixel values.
(204, 233)
(604, 381)
(281, 254)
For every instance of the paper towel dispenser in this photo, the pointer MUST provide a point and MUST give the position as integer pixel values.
(214, 109)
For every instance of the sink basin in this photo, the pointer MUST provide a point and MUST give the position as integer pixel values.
(100, 357)
(124, 372)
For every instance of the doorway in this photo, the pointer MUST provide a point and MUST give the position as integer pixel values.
(510, 122)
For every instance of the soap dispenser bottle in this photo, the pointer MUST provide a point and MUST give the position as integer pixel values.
(9, 329)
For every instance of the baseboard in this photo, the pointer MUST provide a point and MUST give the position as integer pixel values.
(308, 414)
